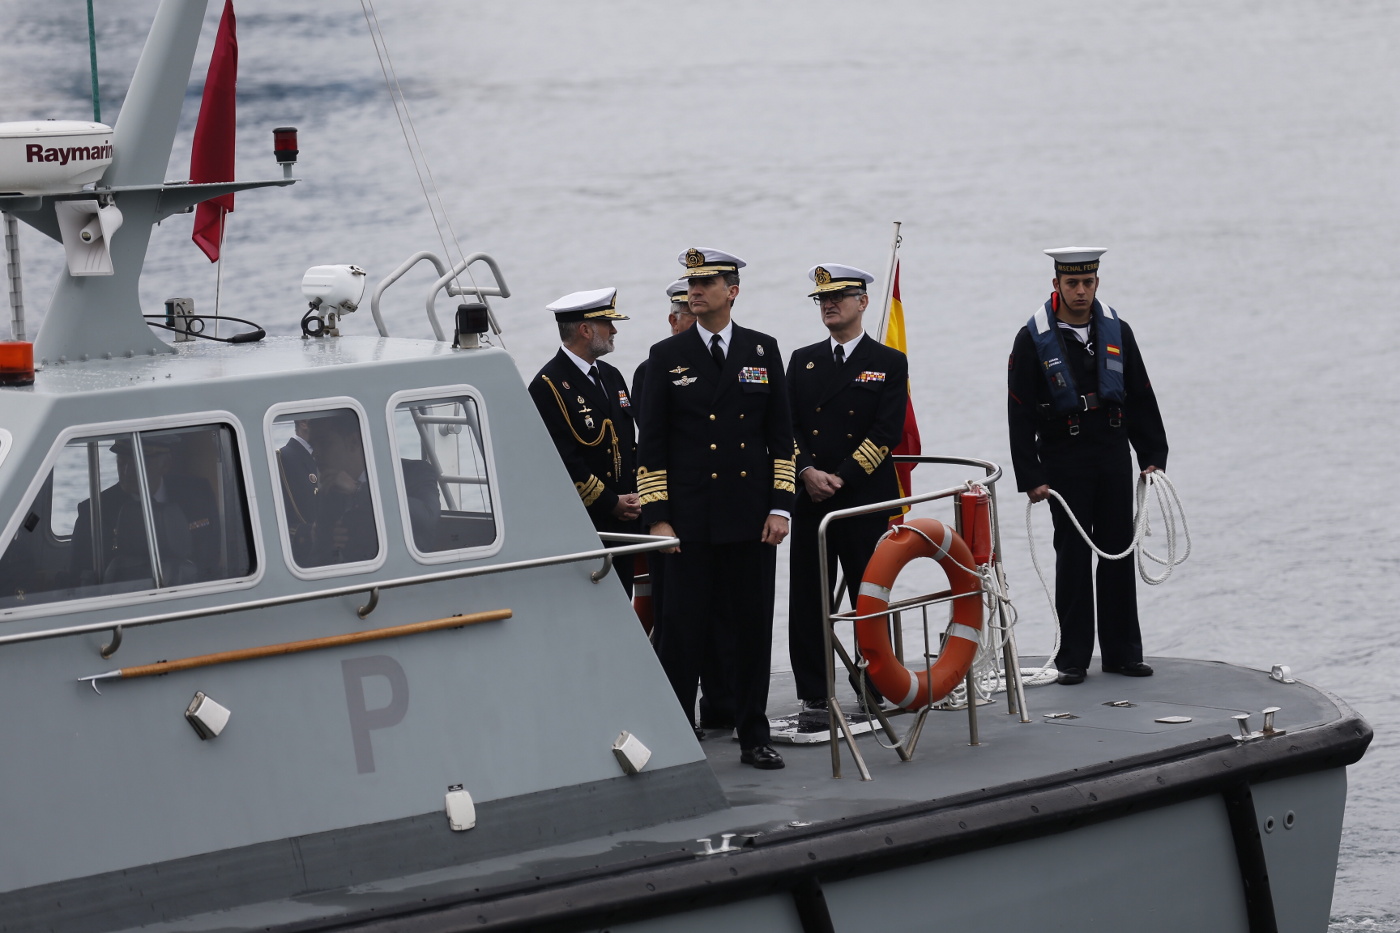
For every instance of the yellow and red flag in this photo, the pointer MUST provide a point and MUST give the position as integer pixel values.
(910, 443)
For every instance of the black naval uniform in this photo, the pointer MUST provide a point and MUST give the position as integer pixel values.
(846, 419)
(715, 460)
(592, 428)
(1092, 469)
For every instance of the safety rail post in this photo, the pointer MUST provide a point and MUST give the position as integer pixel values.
(837, 722)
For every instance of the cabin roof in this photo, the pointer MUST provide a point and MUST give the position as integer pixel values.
(203, 361)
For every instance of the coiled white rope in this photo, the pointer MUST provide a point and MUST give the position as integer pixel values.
(987, 675)
(1168, 503)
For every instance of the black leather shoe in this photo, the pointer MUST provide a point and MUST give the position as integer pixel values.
(699, 733)
(815, 704)
(1133, 669)
(1071, 676)
(763, 758)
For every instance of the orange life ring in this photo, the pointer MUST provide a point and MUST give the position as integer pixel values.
(641, 593)
(920, 537)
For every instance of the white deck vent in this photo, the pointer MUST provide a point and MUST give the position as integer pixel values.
(631, 753)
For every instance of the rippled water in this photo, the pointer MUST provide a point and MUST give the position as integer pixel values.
(1238, 159)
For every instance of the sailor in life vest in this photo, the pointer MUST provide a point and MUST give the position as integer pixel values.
(1079, 397)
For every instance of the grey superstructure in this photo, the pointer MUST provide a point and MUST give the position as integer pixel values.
(465, 776)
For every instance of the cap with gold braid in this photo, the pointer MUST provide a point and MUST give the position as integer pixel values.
(1076, 260)
(598, 304)
(678, 291)
(702, 262)
(833, 277)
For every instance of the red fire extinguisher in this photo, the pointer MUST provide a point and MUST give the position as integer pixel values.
(977, 523)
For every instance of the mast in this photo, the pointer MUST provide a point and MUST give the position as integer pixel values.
(95, 316)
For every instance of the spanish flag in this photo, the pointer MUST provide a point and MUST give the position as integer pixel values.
(909, 444)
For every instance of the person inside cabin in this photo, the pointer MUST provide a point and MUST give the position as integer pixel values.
(184, 513)
(1078, 400)
(297, 468)
(584, 404)
(343, 527)
(849, 396)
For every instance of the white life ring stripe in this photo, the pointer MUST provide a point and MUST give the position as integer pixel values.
(958, 630)
(913, 691)
(943, 545)
(875, 591)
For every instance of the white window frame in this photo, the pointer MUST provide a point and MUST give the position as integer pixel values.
(282, 409)
(446, 393)
(118, 600)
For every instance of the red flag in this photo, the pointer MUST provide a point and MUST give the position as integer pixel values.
(909, 443)
(211, 159)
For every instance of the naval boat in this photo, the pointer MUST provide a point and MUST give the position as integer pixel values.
(245, 693)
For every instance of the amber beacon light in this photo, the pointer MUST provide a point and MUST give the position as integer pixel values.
(16, 363)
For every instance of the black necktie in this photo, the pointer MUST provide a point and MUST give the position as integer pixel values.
(593, 374)
(839, 354)
(716, 351)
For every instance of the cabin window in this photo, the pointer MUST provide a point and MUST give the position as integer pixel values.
(186, 523)
(327, 488)
(445, 481)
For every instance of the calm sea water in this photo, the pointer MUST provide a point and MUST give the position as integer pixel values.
(1239, 161)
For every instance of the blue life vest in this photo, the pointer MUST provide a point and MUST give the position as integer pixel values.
(1065, 396)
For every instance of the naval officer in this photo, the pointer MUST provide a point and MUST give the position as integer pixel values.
(584, 403)
(1079, 399)
(849, 396)
(715, 469)
(679, 318)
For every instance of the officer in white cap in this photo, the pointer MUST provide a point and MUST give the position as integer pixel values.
(849, 397)
(679, 317)
(1079, 399)
(584, 403)
(715, 469)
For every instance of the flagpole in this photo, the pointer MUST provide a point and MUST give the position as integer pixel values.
(889, 283)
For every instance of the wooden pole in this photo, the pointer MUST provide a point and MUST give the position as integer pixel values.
(311, 644)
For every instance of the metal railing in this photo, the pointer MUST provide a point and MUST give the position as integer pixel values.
(445, 276)
(639, 544)
(837, 719)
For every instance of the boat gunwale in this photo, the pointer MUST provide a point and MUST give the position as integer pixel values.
(780, 862)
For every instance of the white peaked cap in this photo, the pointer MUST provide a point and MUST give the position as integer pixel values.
(834, 277)
(703, 261)
(593, 305)
(1083, 259)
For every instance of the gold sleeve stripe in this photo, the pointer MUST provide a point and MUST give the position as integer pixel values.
(589, 490)
(869, 456)
(651, 485)
(785, 475)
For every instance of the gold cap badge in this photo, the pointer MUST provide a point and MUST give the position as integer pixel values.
(822, 277)
(693, 258)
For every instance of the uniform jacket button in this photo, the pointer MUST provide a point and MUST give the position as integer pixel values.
(819, 408)
(712, 447)
(848, 437)
(714, 476)
(743, 473)
(712, 417)
(741, 446)
(850, 413)
(741, 417)
(814, 432)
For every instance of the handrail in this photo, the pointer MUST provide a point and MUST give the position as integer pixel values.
(500, 291)
(393, 277)
(836, 718)
(643, 544)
